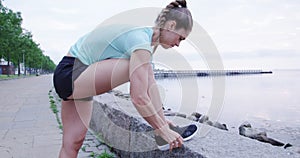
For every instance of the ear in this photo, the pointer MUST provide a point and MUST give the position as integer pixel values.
(170, 25)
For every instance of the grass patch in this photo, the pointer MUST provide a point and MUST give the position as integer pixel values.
(8, 77)
(102, 155)
(4, 77)
(54, 109)
(105, 155)
(83, 148)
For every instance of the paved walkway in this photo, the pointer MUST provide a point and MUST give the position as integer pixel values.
(28, 127)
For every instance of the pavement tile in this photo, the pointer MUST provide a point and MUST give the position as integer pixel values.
(23, 124)
(5, 125)
(46, 140)
(28, 128)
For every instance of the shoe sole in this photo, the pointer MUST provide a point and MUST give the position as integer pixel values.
(164, 147)
(167, 146)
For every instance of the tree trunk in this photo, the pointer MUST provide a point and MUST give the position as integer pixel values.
(19, 68)
(8, 64)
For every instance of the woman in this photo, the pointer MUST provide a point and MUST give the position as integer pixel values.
(110, 56)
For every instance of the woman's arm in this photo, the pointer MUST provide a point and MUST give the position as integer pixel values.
(140, 72)
(145, 96)
(154, 94)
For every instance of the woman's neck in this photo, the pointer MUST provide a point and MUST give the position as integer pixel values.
(155, 37)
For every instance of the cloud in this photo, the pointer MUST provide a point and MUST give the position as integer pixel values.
(241, 29)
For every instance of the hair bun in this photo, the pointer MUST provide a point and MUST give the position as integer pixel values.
(182, 3)
(177, 4)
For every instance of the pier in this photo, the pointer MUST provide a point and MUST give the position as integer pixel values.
(204, 73)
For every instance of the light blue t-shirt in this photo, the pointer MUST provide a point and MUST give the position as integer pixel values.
(111, 41)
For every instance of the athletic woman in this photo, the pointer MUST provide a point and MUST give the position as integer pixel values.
(112, 55)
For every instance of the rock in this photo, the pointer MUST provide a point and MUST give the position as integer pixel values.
(246, 130)
(203, 119)
(220, 126)
(91, 149)
(193, 118)
(208, 122)
(169, 113)
(287, 145)
(196, 114)
(181, 115)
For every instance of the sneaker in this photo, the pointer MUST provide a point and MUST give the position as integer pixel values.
(186, 132)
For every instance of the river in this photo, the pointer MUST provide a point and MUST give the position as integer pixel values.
(269, 102)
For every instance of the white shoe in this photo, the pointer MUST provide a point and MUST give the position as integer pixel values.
(186, 132)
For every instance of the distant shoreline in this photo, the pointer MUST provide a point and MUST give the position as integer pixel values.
(205, 73)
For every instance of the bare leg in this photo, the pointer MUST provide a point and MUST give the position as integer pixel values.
(75, 118)
(96, 79)
(101, 77)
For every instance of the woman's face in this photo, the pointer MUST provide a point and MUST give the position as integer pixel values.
(171, 37)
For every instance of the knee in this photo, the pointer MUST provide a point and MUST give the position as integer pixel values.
(74, 142)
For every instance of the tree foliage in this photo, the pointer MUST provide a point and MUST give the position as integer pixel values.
(16, 43)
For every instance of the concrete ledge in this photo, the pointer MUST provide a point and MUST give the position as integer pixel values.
(121, 127)
(117, 121)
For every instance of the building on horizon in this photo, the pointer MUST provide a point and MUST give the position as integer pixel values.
(5, 69)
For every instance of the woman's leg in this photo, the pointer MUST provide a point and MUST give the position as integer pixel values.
(75, 118)
(101, 77)
(76, 114)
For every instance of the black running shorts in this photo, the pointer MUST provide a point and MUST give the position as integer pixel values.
(66, 72)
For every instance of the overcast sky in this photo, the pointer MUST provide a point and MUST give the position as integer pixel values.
(247, 33)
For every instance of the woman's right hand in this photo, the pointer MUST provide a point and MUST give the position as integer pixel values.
(173, 138)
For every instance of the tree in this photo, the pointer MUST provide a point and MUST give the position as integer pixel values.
(10, 30)
(16, 43)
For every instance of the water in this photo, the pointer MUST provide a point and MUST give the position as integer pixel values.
(269, 102)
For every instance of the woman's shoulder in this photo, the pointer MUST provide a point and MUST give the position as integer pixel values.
(141, 30)
(121, 28)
